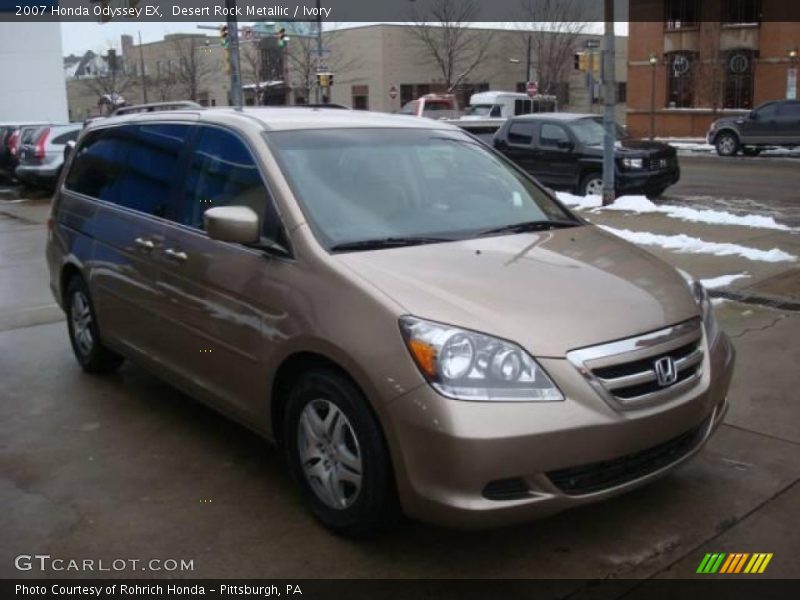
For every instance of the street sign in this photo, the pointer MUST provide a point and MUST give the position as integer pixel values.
(532, 88)
(592, 44)
(393, 92)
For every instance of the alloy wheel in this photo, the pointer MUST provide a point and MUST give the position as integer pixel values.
(594, 187)
(330, 455)
(726, 145)
(81, 317)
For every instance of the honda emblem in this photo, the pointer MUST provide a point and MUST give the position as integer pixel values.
(666, 373)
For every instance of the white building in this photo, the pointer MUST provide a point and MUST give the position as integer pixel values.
(32, 84)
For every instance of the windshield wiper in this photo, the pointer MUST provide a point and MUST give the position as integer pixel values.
(529, 226)
(388, 242)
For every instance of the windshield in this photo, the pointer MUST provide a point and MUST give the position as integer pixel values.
(590, 131)
(480, 110)
(367, 184)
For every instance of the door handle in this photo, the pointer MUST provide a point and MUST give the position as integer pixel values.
(143, 243)
(175, 254)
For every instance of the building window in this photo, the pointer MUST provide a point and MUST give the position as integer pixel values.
(681, 14)
(741, 12)
(680, 66)
(739, 78)
(622, 91)
(360, 95)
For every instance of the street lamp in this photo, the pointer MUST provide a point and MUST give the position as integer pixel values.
(653, 63)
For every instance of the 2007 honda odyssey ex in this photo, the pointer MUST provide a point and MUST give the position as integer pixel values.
(415, 321)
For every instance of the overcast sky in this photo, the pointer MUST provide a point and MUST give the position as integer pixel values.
(77, 38)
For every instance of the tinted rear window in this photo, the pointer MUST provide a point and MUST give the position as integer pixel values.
(66, 137)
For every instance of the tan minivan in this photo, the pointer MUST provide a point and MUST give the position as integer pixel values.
(418, 324)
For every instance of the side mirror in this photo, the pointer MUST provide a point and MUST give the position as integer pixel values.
(237, 224)
(565, 145)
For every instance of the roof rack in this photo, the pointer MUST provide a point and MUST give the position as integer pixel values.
(155, 106)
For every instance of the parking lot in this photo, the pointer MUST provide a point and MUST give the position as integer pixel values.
(127, 467)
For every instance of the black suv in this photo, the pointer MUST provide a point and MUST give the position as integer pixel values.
(770, 124)
(565, 151)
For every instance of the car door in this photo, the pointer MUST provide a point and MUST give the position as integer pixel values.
(124, 234)
(788, 123)
(519, 146)
(761, 127)
(221, 297)
(556, 155)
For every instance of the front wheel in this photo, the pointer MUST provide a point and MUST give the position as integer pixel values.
(337, 454)
(592, 185)
(727, 144)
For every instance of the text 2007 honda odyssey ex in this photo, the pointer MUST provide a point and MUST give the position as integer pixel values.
(416, 322)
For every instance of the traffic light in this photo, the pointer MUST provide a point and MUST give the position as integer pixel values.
(580, 61)
(283, 39)
(324, 80)
(224, 40)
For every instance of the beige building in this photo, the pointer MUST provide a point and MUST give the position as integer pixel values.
(376, 67)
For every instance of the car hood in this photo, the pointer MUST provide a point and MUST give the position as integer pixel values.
(550, 291)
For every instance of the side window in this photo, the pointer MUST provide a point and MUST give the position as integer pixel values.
(521, 133)
(97, 165)
(496, 111)
(222, 172)
(151, 164)
(551, 135)
(789, 110)
(768, 111)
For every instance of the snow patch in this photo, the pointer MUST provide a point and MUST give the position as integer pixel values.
(641, 205)
(686, 244)
(723, 280)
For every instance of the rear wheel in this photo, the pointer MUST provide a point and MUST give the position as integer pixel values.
(727, 144)
(337, 455)
(592, 185)
(92, 355)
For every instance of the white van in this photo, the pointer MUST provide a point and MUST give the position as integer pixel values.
(502, 105)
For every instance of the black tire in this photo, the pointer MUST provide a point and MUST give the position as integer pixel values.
(374, 507)
(751, 151)
(589, 181)
(90, 352)
(727, 144)
(653, 194)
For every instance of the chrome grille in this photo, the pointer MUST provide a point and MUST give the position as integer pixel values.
(625, 372)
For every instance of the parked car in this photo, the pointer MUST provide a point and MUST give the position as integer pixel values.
(416, 322)
(433, 106)
(774, 123)
(41, 158)
(502, 105)
(483, 129)
(565, 152)
(10, 134)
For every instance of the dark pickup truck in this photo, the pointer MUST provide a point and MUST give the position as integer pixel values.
(564, 151)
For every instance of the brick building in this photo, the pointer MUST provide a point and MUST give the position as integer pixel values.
(706, 58)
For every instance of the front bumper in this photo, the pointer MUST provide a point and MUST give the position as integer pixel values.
(447, 451)
(631, 181)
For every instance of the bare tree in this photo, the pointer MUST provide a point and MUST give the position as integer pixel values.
(708, 69)
(554, 28)
(164, 82)
(260, 62)
(303, 62)
(443, 31)
(194, 65)
(108, 77)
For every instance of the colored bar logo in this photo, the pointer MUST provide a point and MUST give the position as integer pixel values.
(734, 563)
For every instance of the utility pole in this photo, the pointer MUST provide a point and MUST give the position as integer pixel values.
(609, 94)
(233, 53)
(141, 68)
(528, 74)
(319, 48)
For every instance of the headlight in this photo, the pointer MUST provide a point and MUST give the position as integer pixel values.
(632, 163)
(466, 365)
(704, 302)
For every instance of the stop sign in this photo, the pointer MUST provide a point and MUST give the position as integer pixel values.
(532, 88)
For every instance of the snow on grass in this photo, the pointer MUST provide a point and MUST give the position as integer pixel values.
(723, 280)
(641, 205)
(683, 243)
